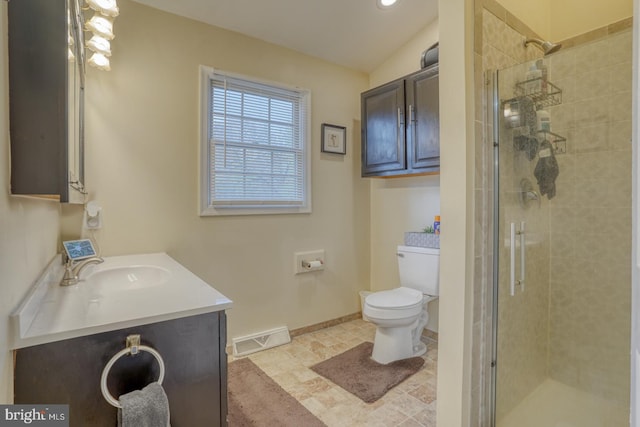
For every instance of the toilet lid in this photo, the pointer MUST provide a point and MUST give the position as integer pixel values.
(395, 298)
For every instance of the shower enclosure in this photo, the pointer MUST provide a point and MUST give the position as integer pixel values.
(561, 315)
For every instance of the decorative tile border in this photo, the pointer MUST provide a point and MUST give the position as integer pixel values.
(598, 33)
(514, 22)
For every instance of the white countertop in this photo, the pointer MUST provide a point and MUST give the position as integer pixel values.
(52, 313)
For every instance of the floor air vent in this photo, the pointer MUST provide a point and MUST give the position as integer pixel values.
(260, 341)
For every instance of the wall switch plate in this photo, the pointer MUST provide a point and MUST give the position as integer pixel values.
(305, 262)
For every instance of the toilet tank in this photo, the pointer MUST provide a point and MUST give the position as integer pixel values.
(419, 269)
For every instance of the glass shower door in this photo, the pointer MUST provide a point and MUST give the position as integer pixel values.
(563, 246)
(523, 246)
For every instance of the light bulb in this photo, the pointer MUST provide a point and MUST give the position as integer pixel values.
(101, 26)
(99, 44)
(105, 7)
(100, 61)
(385, 4)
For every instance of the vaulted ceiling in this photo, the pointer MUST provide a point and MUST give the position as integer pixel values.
(353, 33)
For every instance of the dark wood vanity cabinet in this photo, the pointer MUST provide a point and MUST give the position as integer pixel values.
(69, 371)
(400, 126)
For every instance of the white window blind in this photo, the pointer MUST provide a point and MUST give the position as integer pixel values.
(257, 144)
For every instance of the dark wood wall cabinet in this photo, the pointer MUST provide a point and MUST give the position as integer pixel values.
(46, 96)
(400, 126)
(69, 371)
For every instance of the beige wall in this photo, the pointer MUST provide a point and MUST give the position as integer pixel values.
(562, 19)
(28, 232)
(401, 204)
(570, 18)
(536, 14)
(407, 59)
(142, 166)
(456, 183)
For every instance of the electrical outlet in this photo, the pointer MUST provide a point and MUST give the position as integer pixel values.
(93, 216)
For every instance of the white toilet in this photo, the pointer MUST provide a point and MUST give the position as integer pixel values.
(401, 313)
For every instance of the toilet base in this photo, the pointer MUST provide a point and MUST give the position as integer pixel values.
(393, 344)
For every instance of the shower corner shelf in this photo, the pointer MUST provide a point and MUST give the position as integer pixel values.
(543, 93)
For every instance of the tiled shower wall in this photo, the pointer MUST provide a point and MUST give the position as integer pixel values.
(523, 332)
(580, 350)
(590, 219)
(498, 45)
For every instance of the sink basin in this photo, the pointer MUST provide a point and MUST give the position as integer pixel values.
(128, 277)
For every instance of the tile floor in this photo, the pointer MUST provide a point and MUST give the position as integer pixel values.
(410, 404)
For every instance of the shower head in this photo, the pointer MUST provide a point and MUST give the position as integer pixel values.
(546, 46)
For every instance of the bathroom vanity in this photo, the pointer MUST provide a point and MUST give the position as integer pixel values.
(65, 336)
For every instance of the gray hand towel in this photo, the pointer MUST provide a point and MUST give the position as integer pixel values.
(148, 407)
(547, 170)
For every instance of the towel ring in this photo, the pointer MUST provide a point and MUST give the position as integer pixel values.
(133, 347)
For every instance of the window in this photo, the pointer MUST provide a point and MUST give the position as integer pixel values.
(255, 146)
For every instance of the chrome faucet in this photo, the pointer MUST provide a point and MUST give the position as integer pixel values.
(72, 272)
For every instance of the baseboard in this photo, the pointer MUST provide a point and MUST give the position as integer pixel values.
(430, 334)
(333, 322)
(312, 328)
(323, 325)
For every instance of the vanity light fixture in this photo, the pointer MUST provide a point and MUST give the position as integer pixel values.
(105, 7)
(101, 26)
(100, 61)
(99, 44)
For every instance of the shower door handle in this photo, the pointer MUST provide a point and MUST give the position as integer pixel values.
(512, 260)
(512, 263)
(523, 247)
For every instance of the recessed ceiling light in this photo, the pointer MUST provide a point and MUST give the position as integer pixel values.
(385, 4)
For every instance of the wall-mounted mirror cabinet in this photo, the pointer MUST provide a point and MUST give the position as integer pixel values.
(46, 99)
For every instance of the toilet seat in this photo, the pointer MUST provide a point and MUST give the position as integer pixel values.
(399, 303)
(395, 299)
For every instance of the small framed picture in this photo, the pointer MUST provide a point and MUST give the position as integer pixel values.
(334, 139)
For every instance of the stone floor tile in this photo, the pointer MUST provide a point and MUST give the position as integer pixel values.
(411, 403)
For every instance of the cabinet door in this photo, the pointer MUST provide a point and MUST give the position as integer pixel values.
(423, 121)
(383, 138)
(69, 371)
(38, 96)
(46, 93)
